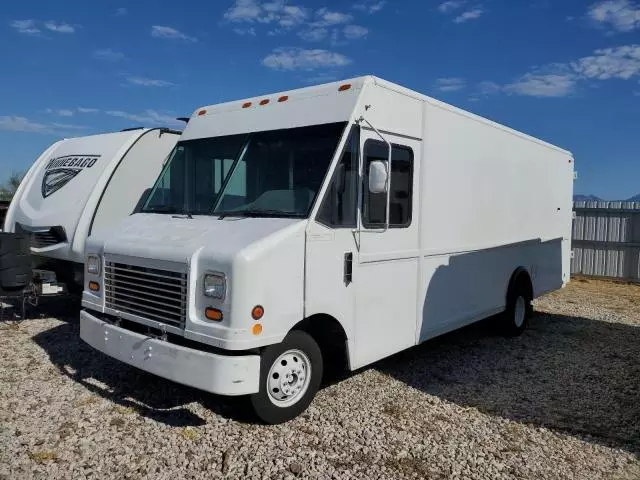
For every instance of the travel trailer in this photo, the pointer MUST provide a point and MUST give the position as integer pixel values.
(356, 218)
(79, 186)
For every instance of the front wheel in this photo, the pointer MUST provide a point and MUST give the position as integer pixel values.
(290, 375)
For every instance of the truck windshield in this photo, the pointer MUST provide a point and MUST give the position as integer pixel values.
(276, 173)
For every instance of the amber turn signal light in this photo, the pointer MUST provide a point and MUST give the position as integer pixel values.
(213, 314)
(257, 329)
(94, 286)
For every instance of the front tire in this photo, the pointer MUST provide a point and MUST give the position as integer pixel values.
(290, 375)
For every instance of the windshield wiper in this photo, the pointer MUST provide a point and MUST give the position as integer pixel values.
(256, 213)
(160, 209)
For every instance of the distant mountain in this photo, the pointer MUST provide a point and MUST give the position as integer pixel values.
(586, 198)
(635, 198)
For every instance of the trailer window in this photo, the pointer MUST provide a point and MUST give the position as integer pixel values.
(194, 175)
(339, 205)
(374, 205)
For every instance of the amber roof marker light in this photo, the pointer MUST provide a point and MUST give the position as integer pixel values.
(283, 98)
(246, 105)
(264, 102)
(344, 87)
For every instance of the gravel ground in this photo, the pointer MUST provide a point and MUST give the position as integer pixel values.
(561, 401)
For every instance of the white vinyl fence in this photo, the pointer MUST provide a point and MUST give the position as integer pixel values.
(606, 240)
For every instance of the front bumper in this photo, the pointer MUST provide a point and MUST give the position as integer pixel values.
(221, 374)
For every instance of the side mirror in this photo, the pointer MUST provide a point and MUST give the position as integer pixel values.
(378, 177)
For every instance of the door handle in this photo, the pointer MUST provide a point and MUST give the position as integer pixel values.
(348, 268)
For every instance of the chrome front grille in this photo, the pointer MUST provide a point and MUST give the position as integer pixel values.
(158, 295)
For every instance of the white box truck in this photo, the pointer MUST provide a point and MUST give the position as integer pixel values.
(356, 218)
(79, 186)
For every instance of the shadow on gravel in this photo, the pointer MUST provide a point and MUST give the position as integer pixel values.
(573, 375)
(150, 396)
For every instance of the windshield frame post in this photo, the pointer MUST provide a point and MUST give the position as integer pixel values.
(313, 214)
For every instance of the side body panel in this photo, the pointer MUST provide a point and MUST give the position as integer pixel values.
(493, 200)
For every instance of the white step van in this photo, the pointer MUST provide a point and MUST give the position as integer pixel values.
(79, 186)
(357, 218)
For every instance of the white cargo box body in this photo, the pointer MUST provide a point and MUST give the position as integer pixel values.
(81, 185)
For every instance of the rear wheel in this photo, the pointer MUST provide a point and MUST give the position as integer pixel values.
(290, 374)
(515, 318)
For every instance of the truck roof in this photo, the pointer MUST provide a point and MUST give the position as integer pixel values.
(327, 107)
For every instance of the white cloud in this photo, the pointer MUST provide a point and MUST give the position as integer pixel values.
(28, 27)
(68, 126)
(276, 11)
(61, 113)
(622, 15)
(353, 32)
(561, 79)
(244, 11)
(619, 62)
(489, 88)
(160, 31)
(450, 84)
(59, 27)
(148, 82)
(148, 117)
(451, 5)
(370, 6)
(108, 54)
(314, 34)
(246, 31)
(328, 18)
(301, 59)
(469, 15)
(87, 110)
(22, 124)
(121, 11)
(538, 85)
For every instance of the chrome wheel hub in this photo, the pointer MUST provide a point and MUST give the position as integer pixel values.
(289, 378)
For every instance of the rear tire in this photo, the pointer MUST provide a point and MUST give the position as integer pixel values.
(290, 375)
(515, 319)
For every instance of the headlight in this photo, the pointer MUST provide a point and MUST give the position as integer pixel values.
(215, 285)
(93, 264)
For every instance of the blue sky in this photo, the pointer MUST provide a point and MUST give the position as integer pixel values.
(565, 71)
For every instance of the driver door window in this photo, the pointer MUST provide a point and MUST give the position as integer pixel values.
(374, 205)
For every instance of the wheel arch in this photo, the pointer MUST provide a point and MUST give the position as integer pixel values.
(520, 276)
(330, 335)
